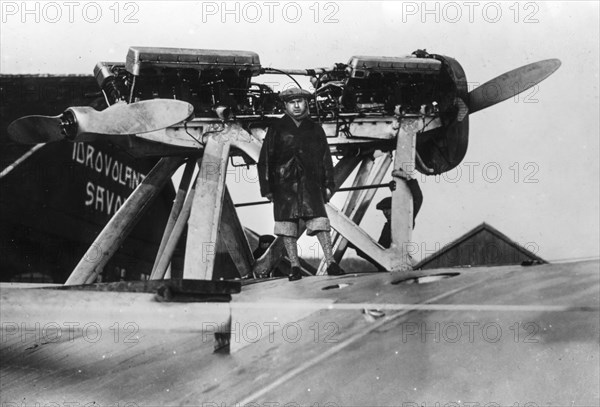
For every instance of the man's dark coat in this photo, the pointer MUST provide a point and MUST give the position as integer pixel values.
(295, 166)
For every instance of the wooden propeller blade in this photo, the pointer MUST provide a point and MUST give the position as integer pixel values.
(510, 84)
(134, 118)
(118, 119)
(36, 129)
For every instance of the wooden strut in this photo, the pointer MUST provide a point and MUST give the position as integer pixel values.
(396, 257)
(358, 237)
(163, 258)
(120, 225)
(203, 225)
(356, 208)
(402, 201)
(360, 179)
(212, 209)
(365, 200)
(175, 211)
(162, 262)
(233, 238)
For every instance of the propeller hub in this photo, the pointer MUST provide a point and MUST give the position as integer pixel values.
(68, 125)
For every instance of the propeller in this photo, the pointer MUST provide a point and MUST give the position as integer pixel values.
(510, 84)
(85, 123)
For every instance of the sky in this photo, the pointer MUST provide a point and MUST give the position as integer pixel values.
(531, 170)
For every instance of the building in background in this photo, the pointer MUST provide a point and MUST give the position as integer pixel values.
(482, 246)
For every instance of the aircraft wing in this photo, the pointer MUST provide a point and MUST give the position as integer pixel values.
(509, 335)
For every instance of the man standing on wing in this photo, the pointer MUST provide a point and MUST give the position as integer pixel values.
(296, 173)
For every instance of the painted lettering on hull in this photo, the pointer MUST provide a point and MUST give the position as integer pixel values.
(117, 175)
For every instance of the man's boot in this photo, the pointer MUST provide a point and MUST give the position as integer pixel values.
(296, 274)
(292, 251)
(335, 270)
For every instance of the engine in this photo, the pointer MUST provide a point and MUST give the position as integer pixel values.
(207, 79)
(204, 78)
(385, 85)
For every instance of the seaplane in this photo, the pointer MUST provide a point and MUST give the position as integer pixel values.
(204, 334)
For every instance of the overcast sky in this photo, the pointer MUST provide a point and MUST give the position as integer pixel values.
(532, 167)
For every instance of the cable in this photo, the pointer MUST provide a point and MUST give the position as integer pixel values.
(285, 73)
(190, 134)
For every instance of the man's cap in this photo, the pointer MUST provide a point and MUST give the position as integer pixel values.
(294, 93)
(266, 239)
(385, 203)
